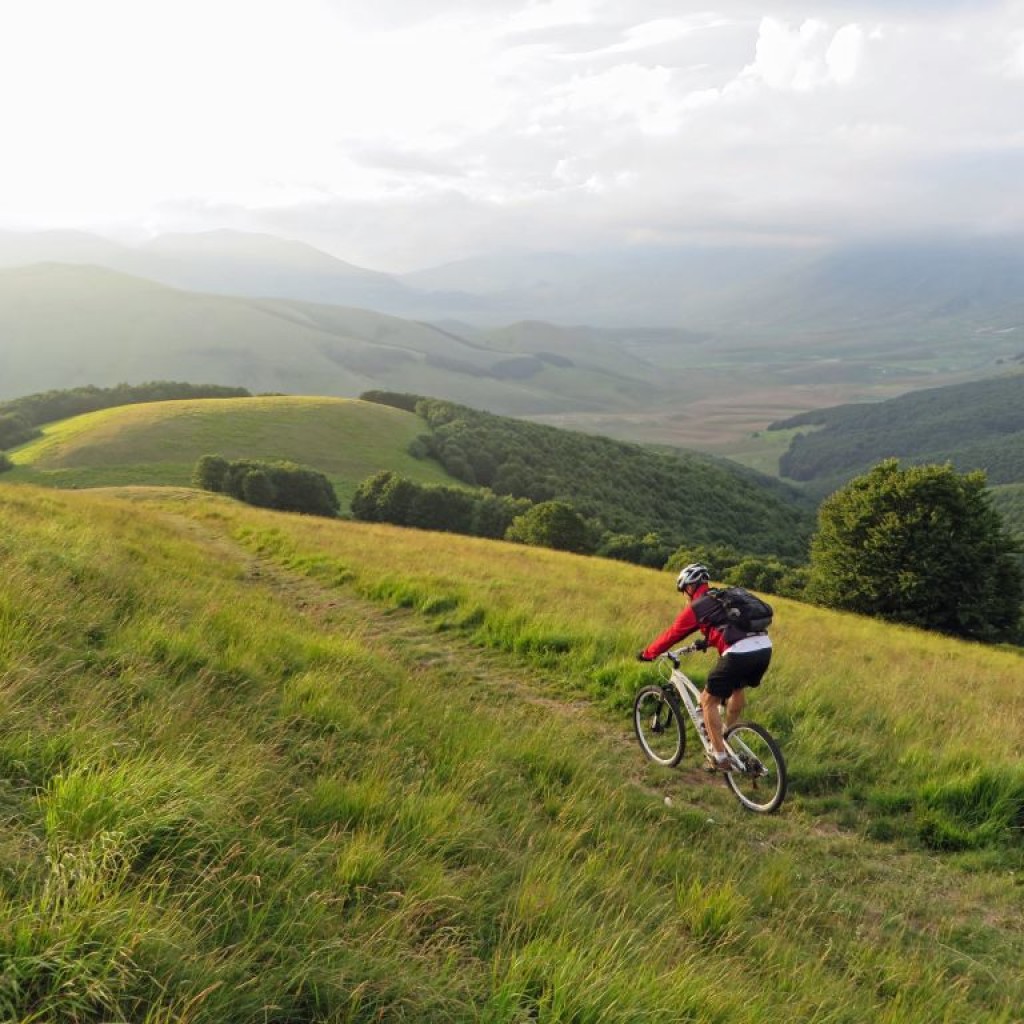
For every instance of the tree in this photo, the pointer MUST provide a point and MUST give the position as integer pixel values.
(209, 473)
(648, 549)
(921, 546)
(279, 485)
(257, 489)
(551, 524)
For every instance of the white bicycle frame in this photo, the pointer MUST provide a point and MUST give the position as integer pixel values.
(689, 694)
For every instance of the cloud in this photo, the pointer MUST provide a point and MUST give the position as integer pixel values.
(406, 132)
(806, 57)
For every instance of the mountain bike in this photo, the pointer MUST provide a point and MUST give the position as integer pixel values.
(660, 727)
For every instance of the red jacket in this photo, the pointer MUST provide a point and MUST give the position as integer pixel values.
(685, 624)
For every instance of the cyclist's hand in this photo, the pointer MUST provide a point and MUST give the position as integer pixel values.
(700, 645)
(642, 656)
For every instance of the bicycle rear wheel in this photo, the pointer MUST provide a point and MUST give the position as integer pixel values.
(761, 786)
(658, 723)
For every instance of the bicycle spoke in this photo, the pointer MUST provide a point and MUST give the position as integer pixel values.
(761, 786)
(658, 726)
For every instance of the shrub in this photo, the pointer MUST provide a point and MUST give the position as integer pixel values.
(551, 524)
(921, 546)
(210, 472)
(278, 485)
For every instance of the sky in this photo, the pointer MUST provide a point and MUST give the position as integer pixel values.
(398, 134)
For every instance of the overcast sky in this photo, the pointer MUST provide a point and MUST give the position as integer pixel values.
(402, 133)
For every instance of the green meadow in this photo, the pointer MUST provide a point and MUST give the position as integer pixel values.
(158, 443)
(263, 768)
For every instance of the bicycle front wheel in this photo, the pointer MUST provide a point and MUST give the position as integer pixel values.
(761, 786)
(659, 725)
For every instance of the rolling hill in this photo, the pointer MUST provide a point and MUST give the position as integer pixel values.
(64, 326)
(683, 497)
(159, 442)
(745, 337)
(977, 425)
(255, 767)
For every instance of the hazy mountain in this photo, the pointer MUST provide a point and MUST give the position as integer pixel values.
(868, 286)
(64, 326)
(739, 292)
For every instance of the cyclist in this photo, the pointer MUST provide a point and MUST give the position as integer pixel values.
(742, 663)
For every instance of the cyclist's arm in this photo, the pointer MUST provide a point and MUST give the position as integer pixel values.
(685, 624)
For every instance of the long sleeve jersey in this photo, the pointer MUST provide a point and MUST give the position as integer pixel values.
(686, 623)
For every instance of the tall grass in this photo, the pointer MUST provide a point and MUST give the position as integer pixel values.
(231, 795)
(862, 708)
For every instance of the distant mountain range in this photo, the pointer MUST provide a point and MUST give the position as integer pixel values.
(638, 344)
(66, 325)
(749, 290)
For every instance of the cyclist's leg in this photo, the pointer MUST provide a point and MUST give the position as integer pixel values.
(717, 690)
(746, 670)
(734, 706)
(725, 685)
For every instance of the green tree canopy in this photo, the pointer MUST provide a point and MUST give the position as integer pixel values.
(551, 524)
(921, 546)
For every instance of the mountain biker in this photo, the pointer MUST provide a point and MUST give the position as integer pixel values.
(742, 663)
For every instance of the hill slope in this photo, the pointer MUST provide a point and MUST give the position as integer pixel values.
(684, 497)
(979, 425)
(238, 783)
(159, 442)
(64, 326)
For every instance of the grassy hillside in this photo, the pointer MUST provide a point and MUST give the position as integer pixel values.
(683, 497)
(255, 768)
(979, 425)
(159, 442)
(65, 325)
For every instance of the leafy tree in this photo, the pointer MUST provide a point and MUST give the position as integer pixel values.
(257, 488)
(921, 546)
(551, 524)
(648, 549)
(279, 485)
(209, 473)
(493, 514)
(15, 429)
(442, 508)
(5, 463)
(719, 558)
(366, 502)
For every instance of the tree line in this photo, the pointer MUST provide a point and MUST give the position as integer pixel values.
(973, 426)
(629, 493)
(20, 418)
(278, 485)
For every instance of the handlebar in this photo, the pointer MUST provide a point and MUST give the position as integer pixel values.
(673, 656)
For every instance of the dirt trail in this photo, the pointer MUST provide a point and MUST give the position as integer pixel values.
(401, 635)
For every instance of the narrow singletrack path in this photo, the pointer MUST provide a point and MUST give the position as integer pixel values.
(402, 635)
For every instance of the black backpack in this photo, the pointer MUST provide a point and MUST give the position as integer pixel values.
(738, 607)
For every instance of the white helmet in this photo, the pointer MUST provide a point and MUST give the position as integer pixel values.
(692, 574)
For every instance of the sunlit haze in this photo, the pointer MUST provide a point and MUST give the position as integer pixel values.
(398, 134)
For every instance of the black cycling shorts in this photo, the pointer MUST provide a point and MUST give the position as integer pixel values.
(735, 671)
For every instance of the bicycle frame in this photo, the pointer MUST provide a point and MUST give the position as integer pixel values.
(757, 772)
(689, 694)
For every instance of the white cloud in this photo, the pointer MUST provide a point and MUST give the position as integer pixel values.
(806, 57)
(843, 56)
(1014, 66)
(499, 120)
